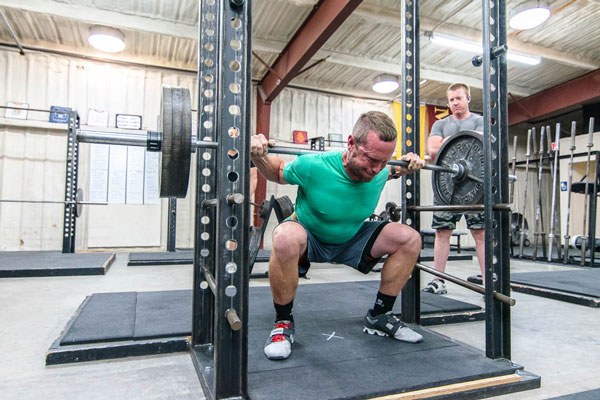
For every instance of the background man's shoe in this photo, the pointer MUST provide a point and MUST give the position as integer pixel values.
(436, 286)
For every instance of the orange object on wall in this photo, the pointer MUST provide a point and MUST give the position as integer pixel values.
(300, 137)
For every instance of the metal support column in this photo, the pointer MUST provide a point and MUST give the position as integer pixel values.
(204, 239)
(69, 217)
(497, 222)
(221, 273)
(172, 224)
(410, 135)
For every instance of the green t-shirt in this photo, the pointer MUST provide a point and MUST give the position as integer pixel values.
(328, 203)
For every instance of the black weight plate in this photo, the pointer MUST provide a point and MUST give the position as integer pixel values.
(255, 238)
(466, 149)
(393, 211)
(176, 151)
(518, 227)
(265, 209)
(283, 208)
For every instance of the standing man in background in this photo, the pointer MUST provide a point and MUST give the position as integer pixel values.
(444, 222)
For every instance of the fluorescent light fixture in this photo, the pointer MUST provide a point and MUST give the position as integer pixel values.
(475, 47)
(105, 38)
(527, 59)
(529, 14)
(385, 83)
(456, 43)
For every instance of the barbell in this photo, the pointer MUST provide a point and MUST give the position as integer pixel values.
(466, 284)
(77, 204)
(458, 169)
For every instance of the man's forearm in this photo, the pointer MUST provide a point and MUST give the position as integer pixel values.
(271, 167)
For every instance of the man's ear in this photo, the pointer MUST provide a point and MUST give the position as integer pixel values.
(351, 140)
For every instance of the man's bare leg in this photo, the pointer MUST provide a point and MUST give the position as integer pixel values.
(402, 246)
(289, 243)
(479, 236)
(441, 248)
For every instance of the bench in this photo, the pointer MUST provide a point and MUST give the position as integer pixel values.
(430, 233)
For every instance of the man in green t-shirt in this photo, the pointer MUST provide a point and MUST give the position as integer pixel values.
(337, 192)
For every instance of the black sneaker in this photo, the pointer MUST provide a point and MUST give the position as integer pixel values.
(389, 325)
(279, 343)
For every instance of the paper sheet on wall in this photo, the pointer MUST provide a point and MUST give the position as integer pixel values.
(117, 174)
(97, 117)
(135, 175)
(98, 173)
(151, 188)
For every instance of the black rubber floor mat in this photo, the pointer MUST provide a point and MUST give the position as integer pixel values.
(111, 317)
(163, 314)
(593, 394)
(134, 319)
(336, 360)
(584, 282)
(140, 315)
(103, 317)
(21, 264)
(161, 258)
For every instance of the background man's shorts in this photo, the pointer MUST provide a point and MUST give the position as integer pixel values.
(448, 220)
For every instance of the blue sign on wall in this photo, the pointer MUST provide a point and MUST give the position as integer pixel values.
(59, 114)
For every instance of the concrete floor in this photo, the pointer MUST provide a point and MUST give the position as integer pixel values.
(558, 341)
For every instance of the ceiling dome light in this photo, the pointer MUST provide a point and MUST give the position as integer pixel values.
(105, 38)
(385, 83)
(529, 14)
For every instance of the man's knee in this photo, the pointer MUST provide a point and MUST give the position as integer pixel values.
(289, 239)
(411, 243)
(478, 234)
(443, 234)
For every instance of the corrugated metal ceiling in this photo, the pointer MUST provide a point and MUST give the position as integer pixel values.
(163, 34)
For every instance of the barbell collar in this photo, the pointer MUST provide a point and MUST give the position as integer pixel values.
(154, 141)
(466, 284)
